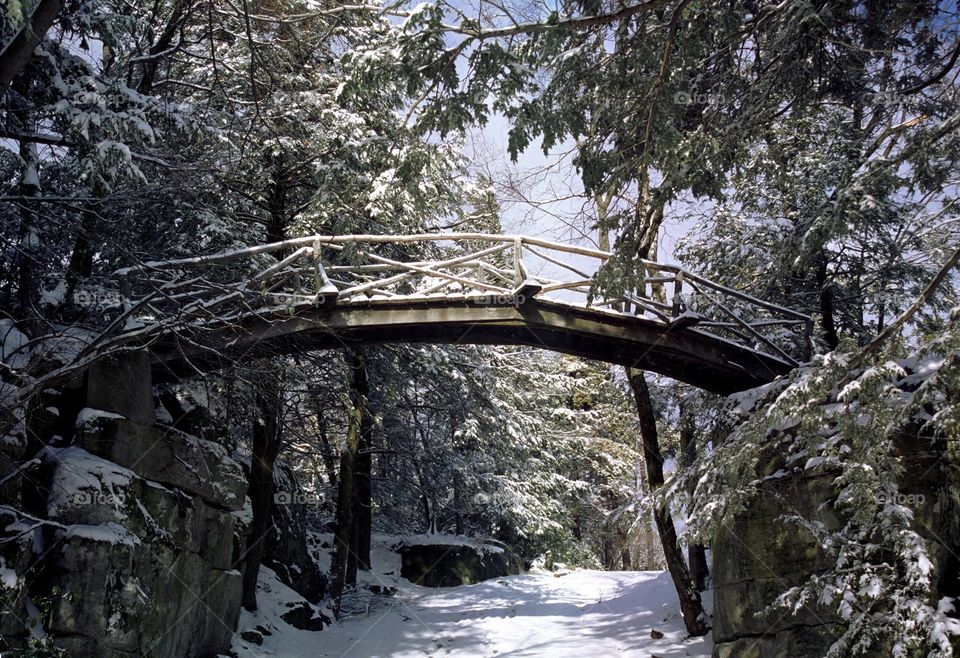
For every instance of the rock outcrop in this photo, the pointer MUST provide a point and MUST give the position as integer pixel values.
(138, 553)
(755, 559)
(759, 555)
(287, 551)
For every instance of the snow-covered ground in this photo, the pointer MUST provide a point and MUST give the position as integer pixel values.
(580, 614)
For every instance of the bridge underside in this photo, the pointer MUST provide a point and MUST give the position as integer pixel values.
(674, 350)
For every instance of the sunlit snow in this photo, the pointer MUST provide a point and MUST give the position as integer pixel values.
(576, 614)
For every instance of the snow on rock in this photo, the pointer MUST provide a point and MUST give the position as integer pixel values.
(482, 545)
(84, 478)
(65, 346)
(8, 577)
(583, 613)
(163, 416)
(266, 632)
(110, 533)
(88, 415)
(54, 296)
(14, 345)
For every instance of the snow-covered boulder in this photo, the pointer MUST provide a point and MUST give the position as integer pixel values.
(192, 409)
(165, 455)
(140, 532)
(449, 561)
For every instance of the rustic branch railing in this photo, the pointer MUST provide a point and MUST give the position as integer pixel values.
(474, 268)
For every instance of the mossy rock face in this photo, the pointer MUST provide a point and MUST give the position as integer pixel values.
(287, 551)
(445, 565)
(758, 555)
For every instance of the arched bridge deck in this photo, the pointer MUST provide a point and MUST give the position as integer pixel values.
(322, 292)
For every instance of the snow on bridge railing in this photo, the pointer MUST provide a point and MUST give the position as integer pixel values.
(346, 270)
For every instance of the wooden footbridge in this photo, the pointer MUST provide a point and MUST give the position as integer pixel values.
(316, 292)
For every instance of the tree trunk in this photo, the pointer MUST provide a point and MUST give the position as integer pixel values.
(151, 63)
(346, 535)
(266, 446)
(696, 553)
(364, 500)
(647, 560)
(626, 559)
(457, 504)
(609, 563)
(691, 607)
(459, 449)
(28, 239)
(15, 57)
(80, 266)
(827, 310)
(328, 463)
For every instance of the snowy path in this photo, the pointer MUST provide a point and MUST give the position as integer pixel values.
(584, 614)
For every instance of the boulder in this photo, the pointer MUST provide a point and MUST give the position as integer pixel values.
(16, 556)
(143, 589)
(139, 556)
(758, 556)
(191, 409)
(305, 617)
(450, 565)
(121, 384)
(87, 490)
(252, 635)
(164, 455)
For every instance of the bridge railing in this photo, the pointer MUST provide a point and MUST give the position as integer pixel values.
(471, 268)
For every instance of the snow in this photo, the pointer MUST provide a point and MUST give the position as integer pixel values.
(88, 414)
(448, 540)
(577, 614)
(14, 345)
(244, 515)
(110, 532)
(8, 577)
(273, 600)
(54, 296)
(163, 416)
(84, 478)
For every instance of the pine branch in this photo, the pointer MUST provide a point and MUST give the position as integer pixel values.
(566, 24)
(878, 342)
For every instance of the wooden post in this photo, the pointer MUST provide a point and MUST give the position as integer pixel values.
(317, 267)
(125, 291)
(677, 293)
(297, 288)
(806, 347)
(325, 292)
(518, 273)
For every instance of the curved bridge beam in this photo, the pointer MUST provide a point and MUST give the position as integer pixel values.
(673, 350)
